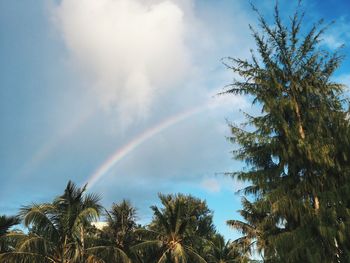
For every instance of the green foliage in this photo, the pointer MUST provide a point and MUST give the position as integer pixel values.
(113, 242)
(178, 230)
(220, 251)
(57, 229)
(6, 223)
(297, 150)
(64, 231)
(121, 221)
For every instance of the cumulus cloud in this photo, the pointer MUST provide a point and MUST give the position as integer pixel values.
(132, 50)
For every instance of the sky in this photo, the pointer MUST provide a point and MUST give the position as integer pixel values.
(123, 95)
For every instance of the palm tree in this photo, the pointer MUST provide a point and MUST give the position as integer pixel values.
(113, 242)
(6, 222)
(122, 223)
(57, 229)
(255, 230)
(224, 252)
(168, 234)
(252, 235)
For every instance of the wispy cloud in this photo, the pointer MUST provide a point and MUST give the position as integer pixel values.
(338, 34)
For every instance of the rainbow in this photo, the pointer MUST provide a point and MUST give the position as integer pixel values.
(137, 141)
(49, 146)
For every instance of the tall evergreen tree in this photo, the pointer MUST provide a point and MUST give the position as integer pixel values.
(297, 149)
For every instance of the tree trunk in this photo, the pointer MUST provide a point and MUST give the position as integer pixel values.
(302, 136)
(300, 123)
(316, 203)
(64, 250)
(82, 242)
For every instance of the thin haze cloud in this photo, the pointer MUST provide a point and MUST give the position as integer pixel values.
(137, 141)
(212, 185)
(51, 145)
(128, 148)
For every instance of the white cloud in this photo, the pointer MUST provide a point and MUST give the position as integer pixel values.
(221, 182)
(332, 41)
(337, 34)
(139, 56)
(132, 50)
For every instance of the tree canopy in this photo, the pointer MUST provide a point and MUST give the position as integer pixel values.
(67, 230)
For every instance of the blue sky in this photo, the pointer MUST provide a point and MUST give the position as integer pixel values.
(81, 79)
